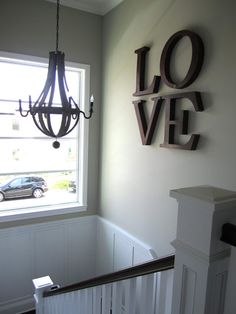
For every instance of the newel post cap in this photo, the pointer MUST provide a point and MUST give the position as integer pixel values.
(204, 193)
(202, 211)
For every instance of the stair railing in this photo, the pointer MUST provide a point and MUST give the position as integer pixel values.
(141, 289)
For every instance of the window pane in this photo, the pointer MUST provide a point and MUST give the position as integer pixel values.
(61, 188)
(18, 81)
(34, 155)
(29, 165)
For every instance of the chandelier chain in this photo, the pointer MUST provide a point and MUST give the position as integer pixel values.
(57, 27)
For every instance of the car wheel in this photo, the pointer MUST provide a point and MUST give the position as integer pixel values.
(1, 197)
(37, 193)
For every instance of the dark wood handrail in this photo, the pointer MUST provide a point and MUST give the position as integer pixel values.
(153, 266)
(228, 234)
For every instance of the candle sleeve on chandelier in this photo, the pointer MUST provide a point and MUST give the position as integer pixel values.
(91, 102)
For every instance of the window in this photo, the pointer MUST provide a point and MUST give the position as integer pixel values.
(28, 162)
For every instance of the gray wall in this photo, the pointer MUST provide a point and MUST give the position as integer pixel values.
(136, 179)
(29, 26)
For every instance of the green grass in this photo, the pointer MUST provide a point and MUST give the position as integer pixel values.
(61, 185)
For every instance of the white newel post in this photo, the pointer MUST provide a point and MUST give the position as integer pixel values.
(41, 284)
(201, 262)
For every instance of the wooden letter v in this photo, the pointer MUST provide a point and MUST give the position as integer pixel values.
(147, 130)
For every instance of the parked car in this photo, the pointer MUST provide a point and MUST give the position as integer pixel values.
(22, 187)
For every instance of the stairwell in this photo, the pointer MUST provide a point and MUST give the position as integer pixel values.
(200, 270)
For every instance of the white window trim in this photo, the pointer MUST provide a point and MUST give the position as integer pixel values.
(59, 209)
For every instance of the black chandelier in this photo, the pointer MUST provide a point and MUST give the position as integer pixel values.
(44, 110)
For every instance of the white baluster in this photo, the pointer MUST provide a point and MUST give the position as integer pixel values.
(147, 297)
(71, 302)
(61, 306)
(89, 301)
(50, 305)
(97, 300)
(68, 303)
(76, 301)
(116, 297)
(82, 305)
(164, 288)
(106, 299)
(130, 296)
(169, 290)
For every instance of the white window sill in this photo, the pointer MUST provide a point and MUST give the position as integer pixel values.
(38, 212)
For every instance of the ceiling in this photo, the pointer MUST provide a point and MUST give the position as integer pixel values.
(100, 7)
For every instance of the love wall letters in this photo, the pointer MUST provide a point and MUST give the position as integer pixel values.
(147, 128)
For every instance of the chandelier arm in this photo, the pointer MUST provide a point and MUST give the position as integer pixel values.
(65, 82)
(64, 128)
(89, 116)
(64, 75)
(40, 103)
(62, 67)
(21, 110)
(47, 116)
(50, 78)
(43, 130)
(49, 125)
(75, 104)
(41, 123)
(61, 74)
(66, 115)
(51, 81)
(82, 112)
(36, 112)
(72, 128)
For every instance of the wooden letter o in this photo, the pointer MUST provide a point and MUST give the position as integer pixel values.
(196, 61)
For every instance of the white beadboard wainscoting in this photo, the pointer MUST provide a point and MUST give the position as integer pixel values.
(68, 251)
(117, 249)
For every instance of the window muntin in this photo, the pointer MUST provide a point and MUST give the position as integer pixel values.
(25, 151)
